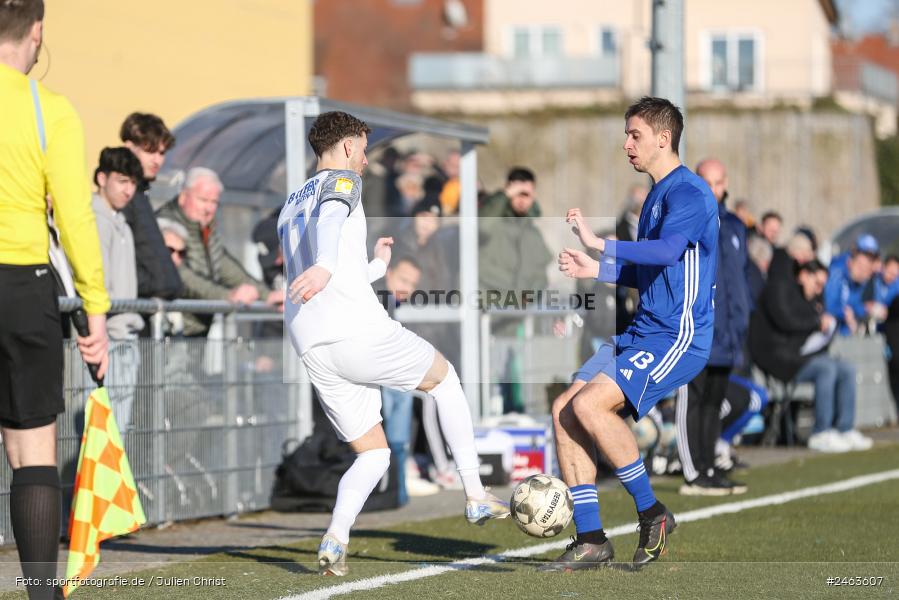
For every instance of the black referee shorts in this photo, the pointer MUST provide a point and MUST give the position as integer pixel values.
(31, 353)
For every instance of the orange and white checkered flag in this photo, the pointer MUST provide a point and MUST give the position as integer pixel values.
(106, 502)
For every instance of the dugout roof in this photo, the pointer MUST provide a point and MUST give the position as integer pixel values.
(245, 143)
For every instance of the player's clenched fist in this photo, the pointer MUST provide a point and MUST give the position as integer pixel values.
(575, 263)
(312, 281)
(382, 249)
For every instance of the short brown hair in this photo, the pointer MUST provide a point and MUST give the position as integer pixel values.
(17, 17)
(660, 114)
(146, 131)
(331, 127)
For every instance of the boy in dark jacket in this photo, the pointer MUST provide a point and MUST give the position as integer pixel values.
(149, 139)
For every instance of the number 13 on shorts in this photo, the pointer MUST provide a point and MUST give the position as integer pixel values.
(642, 359)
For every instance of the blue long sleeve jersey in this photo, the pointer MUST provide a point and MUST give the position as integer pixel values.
(674, 262)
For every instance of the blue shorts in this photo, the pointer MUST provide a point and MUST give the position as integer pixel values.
(646, 368)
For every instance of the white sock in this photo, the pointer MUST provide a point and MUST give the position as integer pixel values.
(722, 447)
(354, 489)
(455, 421)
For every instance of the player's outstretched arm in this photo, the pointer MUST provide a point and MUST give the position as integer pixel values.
(580, 228)
(577, 264)
(662, 252)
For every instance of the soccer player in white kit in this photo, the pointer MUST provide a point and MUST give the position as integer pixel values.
(348, 343)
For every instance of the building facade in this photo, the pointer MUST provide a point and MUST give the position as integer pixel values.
(866, 77)
(362, 47)
(171, 57)
(581, 52)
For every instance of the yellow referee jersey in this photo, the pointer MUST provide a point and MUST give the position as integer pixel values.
(41, 153)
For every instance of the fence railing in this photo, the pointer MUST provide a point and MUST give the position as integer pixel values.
(202, 419)
(529, 356)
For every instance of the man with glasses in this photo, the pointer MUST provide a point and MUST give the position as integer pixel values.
(208, 271)
(513, 258)
(175, 237)
(513, 253)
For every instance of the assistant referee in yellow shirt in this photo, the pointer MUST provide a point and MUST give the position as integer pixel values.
(41, 153)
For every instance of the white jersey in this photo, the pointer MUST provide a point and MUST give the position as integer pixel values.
(347, 306)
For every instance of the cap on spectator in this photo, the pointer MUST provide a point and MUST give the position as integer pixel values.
(867, 244)
(810, 234)
(428, 204)
(265, 236)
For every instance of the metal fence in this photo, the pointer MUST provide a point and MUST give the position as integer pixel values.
(206, 420)
(528, 355)
(203, 419)
(540, 363)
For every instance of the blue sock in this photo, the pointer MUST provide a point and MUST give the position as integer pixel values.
(758, 399)
(635, 480)
(586, 508)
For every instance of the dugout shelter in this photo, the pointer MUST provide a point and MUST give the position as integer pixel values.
(259, 149)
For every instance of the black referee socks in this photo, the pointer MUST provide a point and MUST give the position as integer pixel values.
(35, 506)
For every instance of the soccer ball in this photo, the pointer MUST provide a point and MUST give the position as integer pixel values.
(646, 434)
(542, 506)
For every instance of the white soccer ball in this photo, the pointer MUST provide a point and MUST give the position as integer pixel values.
(646, 434)
(542, 505)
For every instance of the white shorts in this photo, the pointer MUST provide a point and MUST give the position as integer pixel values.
(348, 374)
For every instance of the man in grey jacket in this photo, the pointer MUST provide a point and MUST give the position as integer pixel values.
(116, 178)
(208, 271)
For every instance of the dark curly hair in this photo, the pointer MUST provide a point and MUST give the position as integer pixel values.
(119, 160)
(331, 127)
(17, 17)
(146, 131)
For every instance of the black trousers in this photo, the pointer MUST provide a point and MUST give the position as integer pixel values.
(891, 332)
(698, 417)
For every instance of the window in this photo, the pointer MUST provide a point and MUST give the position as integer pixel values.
(534, 42)
(521, 43)
(719, 62)
(608, 44)
(733, 62)
(551, 42)
(746, 63)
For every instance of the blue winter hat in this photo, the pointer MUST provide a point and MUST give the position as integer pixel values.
(867, 243)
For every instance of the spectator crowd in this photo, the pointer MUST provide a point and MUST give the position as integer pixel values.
(778, 307)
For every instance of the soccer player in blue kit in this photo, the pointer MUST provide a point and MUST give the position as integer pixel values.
(672, 265)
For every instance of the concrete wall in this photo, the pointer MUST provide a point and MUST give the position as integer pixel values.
(815, 168)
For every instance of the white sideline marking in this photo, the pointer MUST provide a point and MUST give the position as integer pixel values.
(371, 583)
